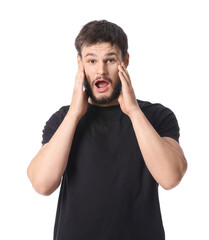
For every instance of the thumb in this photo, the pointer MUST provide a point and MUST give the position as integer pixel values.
(86, 94)
(120, 98)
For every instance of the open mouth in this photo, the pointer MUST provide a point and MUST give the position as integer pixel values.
(102, 85)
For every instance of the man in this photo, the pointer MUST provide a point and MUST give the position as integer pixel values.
(108, 150)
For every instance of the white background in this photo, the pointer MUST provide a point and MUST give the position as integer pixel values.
(169, 63)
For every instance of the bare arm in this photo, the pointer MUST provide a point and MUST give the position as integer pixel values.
(47, 167)
(163, 156)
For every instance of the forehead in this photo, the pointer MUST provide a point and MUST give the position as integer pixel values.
(100, 49)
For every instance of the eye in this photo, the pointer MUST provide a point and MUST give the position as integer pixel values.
(91, 61)
(111, 60)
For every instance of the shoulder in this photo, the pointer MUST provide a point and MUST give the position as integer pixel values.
(157, 113)
(153, 108)
(61, 113)
(57, 117)
(53, 123)
(63, 110)
(162, 119)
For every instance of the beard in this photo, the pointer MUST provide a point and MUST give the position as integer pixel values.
(103, 100)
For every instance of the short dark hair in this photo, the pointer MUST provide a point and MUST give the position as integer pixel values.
(99, 31)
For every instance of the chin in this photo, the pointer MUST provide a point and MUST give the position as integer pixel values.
(104, 99)
(107, 97)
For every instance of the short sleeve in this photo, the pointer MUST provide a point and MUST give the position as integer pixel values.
(167, 124)
(53, 123)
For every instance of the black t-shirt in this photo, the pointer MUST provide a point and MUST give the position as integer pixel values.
(107, 192)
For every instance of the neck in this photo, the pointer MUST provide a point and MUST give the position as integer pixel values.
(113, 103)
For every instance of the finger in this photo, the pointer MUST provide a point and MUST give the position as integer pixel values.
(124, 74)
(79, 76)
(123, 79)
(126, 71)
(120, 97)
(80, 81)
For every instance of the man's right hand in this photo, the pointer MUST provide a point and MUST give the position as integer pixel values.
(79, 102)
(47, 167)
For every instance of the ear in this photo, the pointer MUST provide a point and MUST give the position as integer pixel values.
(79, 60)
(126, 60)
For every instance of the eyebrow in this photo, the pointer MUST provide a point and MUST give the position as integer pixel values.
(106, 55)
(111, 54)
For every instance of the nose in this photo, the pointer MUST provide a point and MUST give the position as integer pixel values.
(102, 70)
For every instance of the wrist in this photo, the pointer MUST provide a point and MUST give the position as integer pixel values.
(135, 114)
(73, 116)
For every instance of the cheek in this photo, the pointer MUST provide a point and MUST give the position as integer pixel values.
(86, 73)
(89, 73)
(114, 73)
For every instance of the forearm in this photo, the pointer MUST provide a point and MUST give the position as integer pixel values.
(165, 162)
(46, 169)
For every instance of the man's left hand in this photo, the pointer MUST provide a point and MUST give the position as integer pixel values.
(127, 99)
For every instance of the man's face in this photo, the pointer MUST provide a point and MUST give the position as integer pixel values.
(102, 82)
